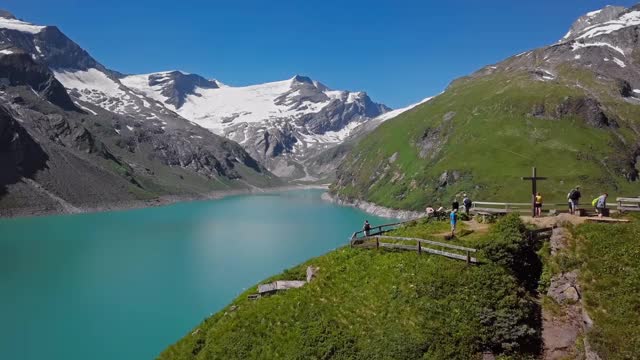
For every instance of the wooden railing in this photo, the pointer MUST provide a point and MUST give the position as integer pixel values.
(501, 208)
(376, 230)
(420, 248)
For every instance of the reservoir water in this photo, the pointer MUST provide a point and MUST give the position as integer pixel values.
(126, 284)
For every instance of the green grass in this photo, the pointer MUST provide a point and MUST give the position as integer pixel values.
(610, 281)
(490, 143)
(376, 304)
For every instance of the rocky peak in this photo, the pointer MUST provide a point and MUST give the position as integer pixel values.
(605, 20)
(7, 15)
(19, 68)
(177, 85)
(301, 79)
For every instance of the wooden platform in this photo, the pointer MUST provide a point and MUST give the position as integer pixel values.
(606, 220)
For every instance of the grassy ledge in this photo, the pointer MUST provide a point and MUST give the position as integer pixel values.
(380, 304)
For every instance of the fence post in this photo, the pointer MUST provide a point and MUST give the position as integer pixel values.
(377, 242)
(419, 248)
(468, 258)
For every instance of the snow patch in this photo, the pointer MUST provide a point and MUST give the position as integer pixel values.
(619, 62)
(393, 113)
(6, 52)
(92, 79)
(85, 108)
(577, 45)
(14, 24)
(594, 13)
(629, 19)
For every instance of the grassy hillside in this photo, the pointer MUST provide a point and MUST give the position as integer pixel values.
(610, 279)
(369, 304)
(485, 132)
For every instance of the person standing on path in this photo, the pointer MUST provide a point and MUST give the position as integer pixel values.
(538, 205)
(455, 205)
(454, 221)
(466, 202)
(574, 199)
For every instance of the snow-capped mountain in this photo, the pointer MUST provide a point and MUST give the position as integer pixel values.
(604, 41)
(324, 164)
(281, 123)
(96, 138)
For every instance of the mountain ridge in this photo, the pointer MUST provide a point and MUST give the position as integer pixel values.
(570, 108)
(282, 123)
(103, 144)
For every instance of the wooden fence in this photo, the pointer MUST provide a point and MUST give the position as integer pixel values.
(628, 204)
(376, 230)
(423, 245)
(486, 208)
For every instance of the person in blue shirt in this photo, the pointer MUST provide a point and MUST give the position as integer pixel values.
(454, 221)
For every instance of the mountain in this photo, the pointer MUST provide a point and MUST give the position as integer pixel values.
(281, 123)
(323, 166)
(571, 108)
(73, 136)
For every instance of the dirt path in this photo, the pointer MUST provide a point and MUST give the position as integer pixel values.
(554, 221)
(564, 319)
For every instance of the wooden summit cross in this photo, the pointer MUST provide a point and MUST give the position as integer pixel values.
(534, 189)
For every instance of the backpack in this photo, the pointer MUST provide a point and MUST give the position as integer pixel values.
(466, 202)
(572, 194)
(595, 202)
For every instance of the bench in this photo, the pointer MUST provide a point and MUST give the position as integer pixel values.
(628, 204)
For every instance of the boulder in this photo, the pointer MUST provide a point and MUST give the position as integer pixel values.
(564, 288)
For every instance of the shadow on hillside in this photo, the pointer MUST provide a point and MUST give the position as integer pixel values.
(20, 155)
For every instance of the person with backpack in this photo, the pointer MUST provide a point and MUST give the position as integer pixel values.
(366, 228)
(538, 205)
(466, 202)
(600, 203)
(574, 199)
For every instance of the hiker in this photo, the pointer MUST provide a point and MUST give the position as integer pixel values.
(454, 221)
(455, 205)
(600, 203)
(537, 204)
(574, 199)
(466, 202)
(366, 228)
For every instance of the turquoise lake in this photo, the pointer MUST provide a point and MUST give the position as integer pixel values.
(126, 284)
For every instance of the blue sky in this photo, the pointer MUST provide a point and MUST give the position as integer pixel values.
(397, 51)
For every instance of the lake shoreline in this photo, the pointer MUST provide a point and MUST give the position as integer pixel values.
(374, 209)
(141, 204)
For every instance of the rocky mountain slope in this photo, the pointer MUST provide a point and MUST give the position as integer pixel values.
(280, 123)
(322, 167)
(67, 142)
(571, 108)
